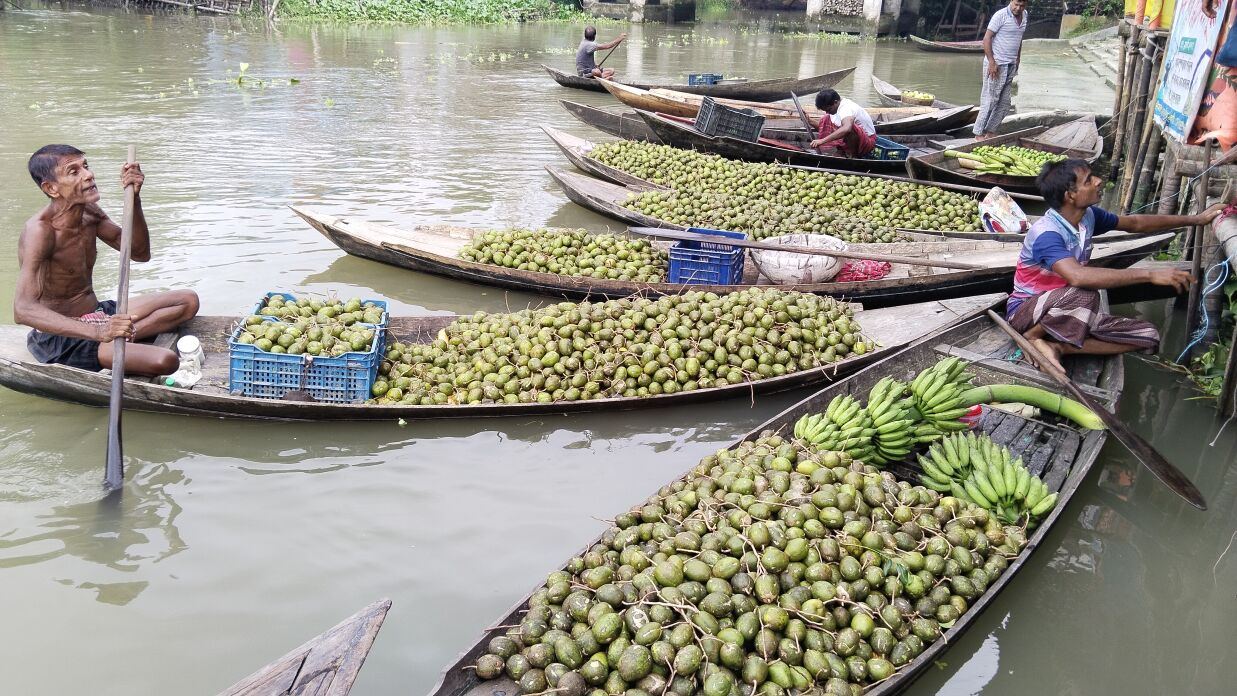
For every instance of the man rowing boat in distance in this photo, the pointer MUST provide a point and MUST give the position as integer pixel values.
(586, 61)
(55, 284)
(1056, 300)
(845, 128)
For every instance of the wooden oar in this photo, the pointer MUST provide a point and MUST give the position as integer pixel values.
(807, 122)
(682, 235)
(1168, 474)
(114, 473)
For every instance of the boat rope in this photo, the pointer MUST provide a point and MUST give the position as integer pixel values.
(1205, 323)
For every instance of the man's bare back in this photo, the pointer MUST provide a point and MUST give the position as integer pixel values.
(55, 287)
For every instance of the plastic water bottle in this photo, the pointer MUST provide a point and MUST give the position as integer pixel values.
(189, 350)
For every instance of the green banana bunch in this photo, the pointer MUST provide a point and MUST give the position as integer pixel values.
(937, 395)
(893, 420)
(978, 470)
(845, 426)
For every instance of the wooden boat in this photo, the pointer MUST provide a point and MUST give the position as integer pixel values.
(681, 133)
(890, 327)
(751, 90)
(1120, 251)
(890, 95)
(628, 125)
(906, 120)
(434, 249)
(1060, 453)
(577, 150)
(1075, 139)
(947, 46)
(326, 665)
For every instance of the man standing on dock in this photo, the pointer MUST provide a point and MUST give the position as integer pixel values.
(1002, 55)
(586, 60)
(1056, 300)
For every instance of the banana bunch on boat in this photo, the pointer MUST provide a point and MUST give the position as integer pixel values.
(845, 426)
(975, 469)
(1004, 159)
(894, 420)
(938, 393)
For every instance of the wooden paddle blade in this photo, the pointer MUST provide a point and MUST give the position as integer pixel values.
(1142, 450)
(114, 470)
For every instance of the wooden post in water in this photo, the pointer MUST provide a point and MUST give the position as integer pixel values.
(1139, 109)
(1196, 249)
(1121, 115)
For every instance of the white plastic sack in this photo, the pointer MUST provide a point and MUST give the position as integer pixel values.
(999, 214)
(787, 268)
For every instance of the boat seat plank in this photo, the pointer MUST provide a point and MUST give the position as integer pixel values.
(1059, 466)
(1037, 460)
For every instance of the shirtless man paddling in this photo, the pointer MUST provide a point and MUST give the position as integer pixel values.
(55, 286)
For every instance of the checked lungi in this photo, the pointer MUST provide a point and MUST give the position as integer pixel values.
(995, 98)
(1072, 315)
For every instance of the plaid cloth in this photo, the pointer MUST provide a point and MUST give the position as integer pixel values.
(995, 98)
(1071, 315)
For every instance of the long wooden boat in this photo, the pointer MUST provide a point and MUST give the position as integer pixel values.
(1055, 450)
(435, 249)
(751, 90)
(628, 125)
(904, 120)
(1075, 139)
(681, 133)
(890, 328)
(1120, 251)
(326, 665)
(947, 46)
(890, 95)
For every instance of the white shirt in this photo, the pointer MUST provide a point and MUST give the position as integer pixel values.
(849, 109)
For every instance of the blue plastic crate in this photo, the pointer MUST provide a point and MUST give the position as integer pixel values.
(344, 379)
(707, 263)
(701, 79)
(288, 297)
(887, 149)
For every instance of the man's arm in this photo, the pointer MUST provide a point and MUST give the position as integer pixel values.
(612, 44)
(1080, 276)
(109, 231)
(992, 68)
(1158, 223)
(34, 251)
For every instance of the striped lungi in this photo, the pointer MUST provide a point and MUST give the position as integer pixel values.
(1072, 315)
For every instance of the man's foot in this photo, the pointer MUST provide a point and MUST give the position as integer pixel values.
(1051, 352)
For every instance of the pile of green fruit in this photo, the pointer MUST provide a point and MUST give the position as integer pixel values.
(770, 569)
(328, 327)
(761, 220)
(328, 311)
(1004, 159)
(306, 336)
(976, 469)
(632, 347)
(737, 194)
(910, 95)
(571, 252)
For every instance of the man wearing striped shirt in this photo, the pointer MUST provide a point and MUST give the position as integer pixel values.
(1002, 54)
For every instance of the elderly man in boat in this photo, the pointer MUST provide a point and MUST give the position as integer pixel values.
(586, 59)
(55, 284)
(845, 128)
(1056, 301)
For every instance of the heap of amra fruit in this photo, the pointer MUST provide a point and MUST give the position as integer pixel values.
(328, 327)
(772, 568)
(632, 347)
(768, 200)
(571, 252)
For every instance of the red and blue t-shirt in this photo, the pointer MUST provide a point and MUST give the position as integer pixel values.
(1049, 240)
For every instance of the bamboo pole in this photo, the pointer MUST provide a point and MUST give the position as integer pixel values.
(1196, 266)
(1226, 233)
(1122, 115)
(1152, 138)
(1145, 176)
(1139, 107)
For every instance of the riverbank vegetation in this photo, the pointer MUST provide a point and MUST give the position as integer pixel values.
(430, 11)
